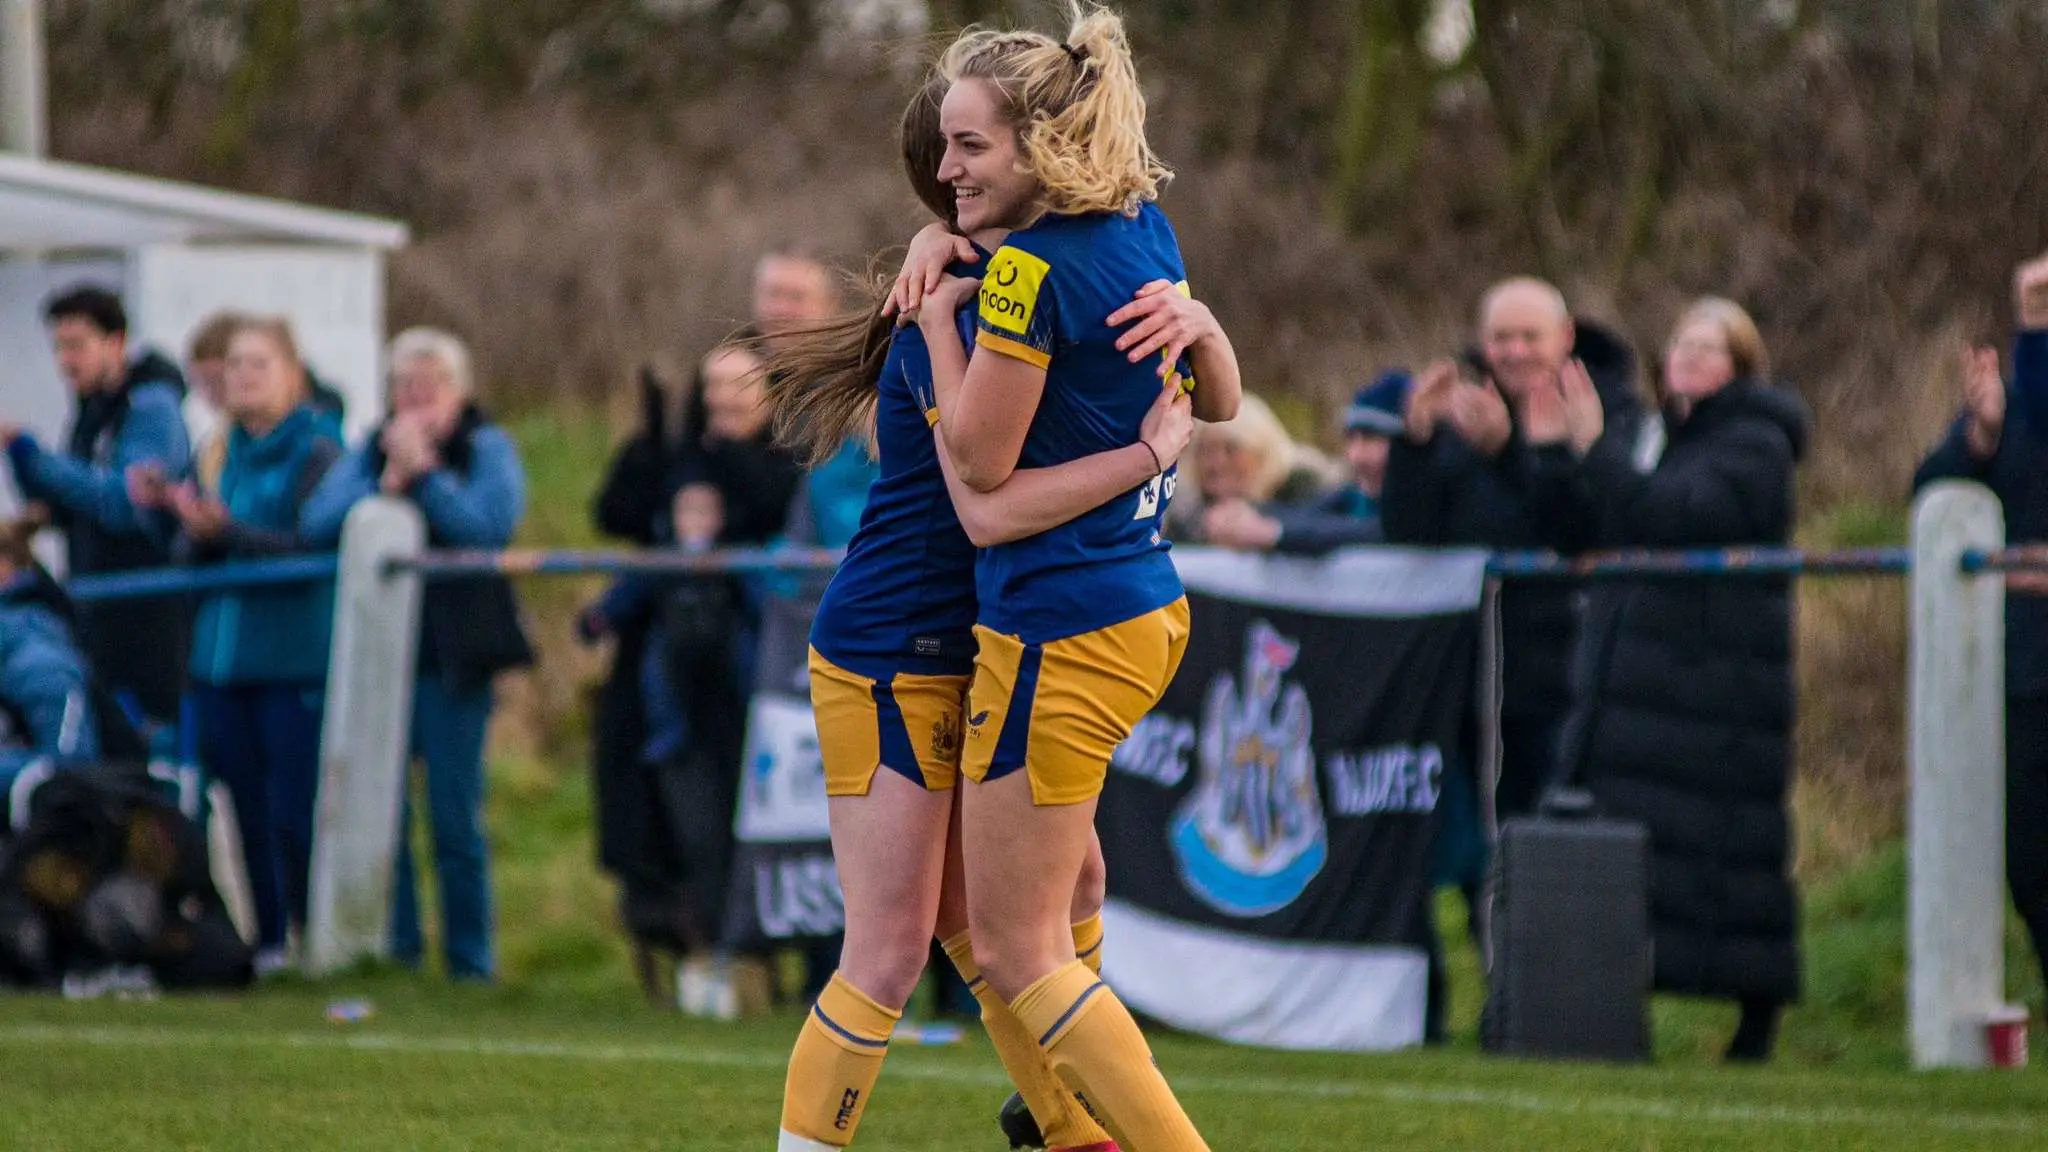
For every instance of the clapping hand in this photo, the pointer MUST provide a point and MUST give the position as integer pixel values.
(147, 487)
(1236, 524)
(1983, 400)
(409, 453)
(1429, 401)
(1480, 417)
(203, 517)
(1584, 419)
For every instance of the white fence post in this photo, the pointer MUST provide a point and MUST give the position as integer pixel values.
(1955, 815)
(365, 736)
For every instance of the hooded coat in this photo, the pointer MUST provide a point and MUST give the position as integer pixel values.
(1683, 691)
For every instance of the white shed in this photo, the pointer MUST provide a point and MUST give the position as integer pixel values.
(177, 253)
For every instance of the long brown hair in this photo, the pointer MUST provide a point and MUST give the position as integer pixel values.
(822, 377)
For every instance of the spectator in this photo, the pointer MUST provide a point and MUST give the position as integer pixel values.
(1683, 691)
(726, 443)
(439, 451)
(1461, 474)
(1232, 466)
(46, 714)
(1348, 513)
(259, 657)
(757, 477)
(2000, 440)
(206, 371)
(790, 288)
(127, 440)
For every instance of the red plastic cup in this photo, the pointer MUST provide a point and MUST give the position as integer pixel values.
(2005, 1035)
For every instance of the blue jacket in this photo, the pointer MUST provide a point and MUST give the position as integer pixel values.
(836, 493)
(2018, 474)
(86, 486)
(479, 508)
(469, 629)
(43, 685)
(267, 635)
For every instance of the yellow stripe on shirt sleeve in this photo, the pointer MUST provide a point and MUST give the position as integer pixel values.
(1016, 349)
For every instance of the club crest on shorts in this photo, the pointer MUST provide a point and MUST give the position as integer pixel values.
(946, 736)
(1250, 836)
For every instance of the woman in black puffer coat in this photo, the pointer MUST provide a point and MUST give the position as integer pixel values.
(1683, 689)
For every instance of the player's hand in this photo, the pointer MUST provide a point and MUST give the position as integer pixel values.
(933, 248)
(1429, 400)
(9, 433)
(1165, 322)
(1169, 425)
(943, 303)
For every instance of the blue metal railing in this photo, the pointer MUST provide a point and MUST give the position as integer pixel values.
(1510, 566)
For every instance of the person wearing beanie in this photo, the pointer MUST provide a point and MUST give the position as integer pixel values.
(1349, 513)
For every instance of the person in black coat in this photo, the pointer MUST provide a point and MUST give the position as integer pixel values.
(1683, 694)
(1462, 474)
(2000, 440)
(723, 440)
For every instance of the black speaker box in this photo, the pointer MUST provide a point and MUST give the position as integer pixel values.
(1571, 940)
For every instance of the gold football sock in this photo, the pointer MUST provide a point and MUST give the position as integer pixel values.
(1060, 1118)
(1099, 1054)
(832, 1072)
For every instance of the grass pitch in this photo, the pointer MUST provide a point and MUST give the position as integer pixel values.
(455, 1068)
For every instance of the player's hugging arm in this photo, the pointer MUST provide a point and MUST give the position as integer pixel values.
(1164, 320)
(990, 401)
(1034, 500)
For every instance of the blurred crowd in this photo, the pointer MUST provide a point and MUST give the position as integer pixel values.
(1670, 701)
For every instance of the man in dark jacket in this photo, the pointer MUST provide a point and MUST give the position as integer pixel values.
(129, 433)
(1462, 473)
(2000, 440)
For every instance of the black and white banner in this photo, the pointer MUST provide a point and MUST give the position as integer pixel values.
(1270, 827)
(784, 885)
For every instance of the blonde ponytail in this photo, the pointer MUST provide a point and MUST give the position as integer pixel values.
(1077, 107)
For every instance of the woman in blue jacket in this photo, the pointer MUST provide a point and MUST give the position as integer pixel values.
(259, 656)
(439, 451)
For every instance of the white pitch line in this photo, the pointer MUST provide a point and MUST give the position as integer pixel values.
(1396, 1092)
